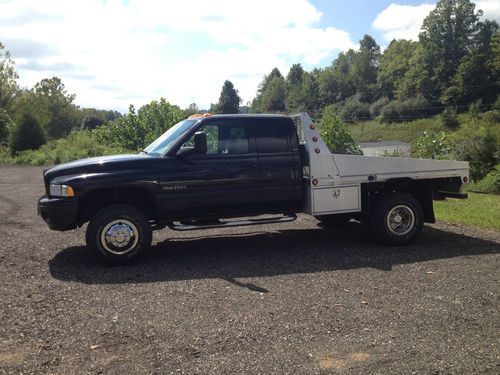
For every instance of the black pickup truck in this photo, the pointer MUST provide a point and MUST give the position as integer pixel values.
(225, 170)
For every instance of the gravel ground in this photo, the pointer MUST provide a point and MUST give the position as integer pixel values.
(274, 299)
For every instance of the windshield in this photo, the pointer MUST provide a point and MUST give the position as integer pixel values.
(165, 142)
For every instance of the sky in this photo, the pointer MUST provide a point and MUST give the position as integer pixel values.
(119, 52)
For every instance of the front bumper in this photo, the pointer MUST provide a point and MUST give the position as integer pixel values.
(59, 213)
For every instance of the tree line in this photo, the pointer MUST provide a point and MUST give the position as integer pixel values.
(454, 66)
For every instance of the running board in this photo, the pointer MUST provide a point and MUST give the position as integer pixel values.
(232, 223)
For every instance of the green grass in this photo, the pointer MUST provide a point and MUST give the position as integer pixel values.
(373, 131)
(481, 210)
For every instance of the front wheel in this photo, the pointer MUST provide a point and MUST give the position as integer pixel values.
(118, 234)
(397, 219)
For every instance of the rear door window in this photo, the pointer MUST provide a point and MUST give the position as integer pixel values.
(272, 135)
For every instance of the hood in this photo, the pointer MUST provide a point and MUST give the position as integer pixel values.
(99, 164)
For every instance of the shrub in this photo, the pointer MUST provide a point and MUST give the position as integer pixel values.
(134, 131)
(377, 106)
(490, 184)
(76, 145)
(336, 135)
(482, 153)
(405, 110)
(475, 108)
(449, 118)
(355, 110)
(27, 134)
(5, 125)
(432, 145)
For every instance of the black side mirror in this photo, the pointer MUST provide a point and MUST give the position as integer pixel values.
(200, 143)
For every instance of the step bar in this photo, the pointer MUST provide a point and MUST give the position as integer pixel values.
(195, 225)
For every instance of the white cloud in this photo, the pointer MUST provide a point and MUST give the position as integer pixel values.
(491, 9)
(402, 21)
(115, 53)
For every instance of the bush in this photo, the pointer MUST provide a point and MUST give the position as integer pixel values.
(432, 145)
(5, 125)
(377, 106)
(336, 135)
(76, 145)
(490, 184)
(27, 134)
(449, 118)
(405, 110)
(355, 110)
(482, 153)
(134, 131)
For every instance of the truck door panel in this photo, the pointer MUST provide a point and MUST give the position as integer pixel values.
(220, 181)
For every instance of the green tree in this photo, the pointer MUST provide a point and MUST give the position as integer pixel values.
(27, 134)
(229, 100)
(365, 65)
(191, 110)
(447, 36)
(476, 77)
(293, 82)
(394, 64)
(271, 93)
(336, 135)
(8, 80)
(136, 129)
(5, 125)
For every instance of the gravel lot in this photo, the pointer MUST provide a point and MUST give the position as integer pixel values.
(274, 299)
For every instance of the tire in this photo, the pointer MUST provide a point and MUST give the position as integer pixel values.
(129, 234)
(337, 220)
(397, 219)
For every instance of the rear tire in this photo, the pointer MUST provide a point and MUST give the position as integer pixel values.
(118, 234)
(397, 219)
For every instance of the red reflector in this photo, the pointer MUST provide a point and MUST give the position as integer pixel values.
(315, 139)
(465, 179)
(317, 150)
(315, 182)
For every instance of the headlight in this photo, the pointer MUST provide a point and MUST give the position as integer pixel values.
(61, 191)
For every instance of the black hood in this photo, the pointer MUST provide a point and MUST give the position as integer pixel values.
(100, 164)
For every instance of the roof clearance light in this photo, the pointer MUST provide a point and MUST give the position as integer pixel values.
(312, 127)
(317, 150)
(315, 139)
(199, 115)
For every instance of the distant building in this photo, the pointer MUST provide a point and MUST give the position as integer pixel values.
(386, 148)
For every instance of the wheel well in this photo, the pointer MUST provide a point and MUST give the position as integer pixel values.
(94, 200)
(421, 190)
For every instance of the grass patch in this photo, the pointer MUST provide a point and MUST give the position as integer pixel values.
(480, 210)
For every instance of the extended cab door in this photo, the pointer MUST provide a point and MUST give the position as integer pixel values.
(222, 181)
(279, 163)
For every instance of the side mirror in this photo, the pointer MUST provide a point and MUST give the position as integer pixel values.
(200, 143)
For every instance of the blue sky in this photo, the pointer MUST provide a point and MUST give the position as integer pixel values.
(112, 53)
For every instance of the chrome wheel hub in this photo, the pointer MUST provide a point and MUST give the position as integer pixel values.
(400, 220)
(119, 236)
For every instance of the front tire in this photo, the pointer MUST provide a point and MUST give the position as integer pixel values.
(397, 219)
(118, 234)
